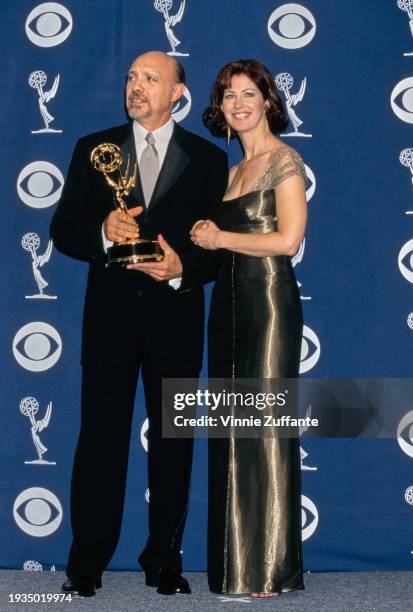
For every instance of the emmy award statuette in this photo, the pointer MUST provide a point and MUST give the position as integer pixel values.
(107, 159)
(37, 80)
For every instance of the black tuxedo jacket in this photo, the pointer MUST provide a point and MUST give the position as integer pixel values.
(126, 309)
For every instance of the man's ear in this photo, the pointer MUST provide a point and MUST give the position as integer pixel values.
(178, 92)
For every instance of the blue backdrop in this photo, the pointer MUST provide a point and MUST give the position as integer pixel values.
(345, 72)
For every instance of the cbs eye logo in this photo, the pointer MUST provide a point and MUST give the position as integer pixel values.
(312, 183)
(40, 184)
(144, 431)
(48, 24)
(298, 257)
(147, 496)
(37, 346)
(182, 107)
(406, 423)
(291, 26)
(401, 100)
(37, 512)
(309, 517)
(309, 356)
(406, 270)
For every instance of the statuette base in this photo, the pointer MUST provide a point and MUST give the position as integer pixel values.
(141, 251)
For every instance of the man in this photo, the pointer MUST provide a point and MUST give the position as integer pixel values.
(149, 317)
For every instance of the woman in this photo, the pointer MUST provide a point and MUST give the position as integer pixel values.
(255, 327)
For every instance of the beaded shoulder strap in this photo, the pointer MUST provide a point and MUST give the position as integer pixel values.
(284, 163)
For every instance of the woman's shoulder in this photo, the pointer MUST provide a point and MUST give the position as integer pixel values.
(285, 153)
(286, 162)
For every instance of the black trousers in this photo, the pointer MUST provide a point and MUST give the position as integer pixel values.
(100, 469)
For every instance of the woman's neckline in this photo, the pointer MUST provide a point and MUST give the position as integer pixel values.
(243, 195)
(252, 190)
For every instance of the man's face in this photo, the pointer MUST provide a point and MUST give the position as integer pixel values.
(151, 90)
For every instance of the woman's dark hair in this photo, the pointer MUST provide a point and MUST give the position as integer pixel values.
(213, 116)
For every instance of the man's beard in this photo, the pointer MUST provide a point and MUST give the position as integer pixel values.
(139, 115)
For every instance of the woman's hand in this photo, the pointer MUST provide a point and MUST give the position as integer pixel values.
(206, 235)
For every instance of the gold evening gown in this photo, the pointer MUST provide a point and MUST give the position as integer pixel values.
(255, 327)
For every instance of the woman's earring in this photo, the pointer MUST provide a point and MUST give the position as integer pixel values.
(228, 133)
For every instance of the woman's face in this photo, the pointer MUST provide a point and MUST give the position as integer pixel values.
(243, 104)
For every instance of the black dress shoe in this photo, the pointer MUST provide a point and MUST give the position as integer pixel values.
(170, 582)
(84, 586)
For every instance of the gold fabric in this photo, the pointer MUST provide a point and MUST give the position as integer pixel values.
(255, 327)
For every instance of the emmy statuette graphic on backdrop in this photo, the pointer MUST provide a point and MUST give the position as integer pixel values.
(30, 243)
(107, 159)
(164, 6)
(37, 80)
(298, 257)
(407, 6)
(284, 81)
(406, 159)
(408, 496)
(34, 566)
(29, 407)
(304, 467)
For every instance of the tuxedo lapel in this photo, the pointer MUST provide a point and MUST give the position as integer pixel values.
(176, 159)
(128, 148)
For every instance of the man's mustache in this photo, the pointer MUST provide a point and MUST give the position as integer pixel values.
(138, 97)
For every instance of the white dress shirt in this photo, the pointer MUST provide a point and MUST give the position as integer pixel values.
(162, 137)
